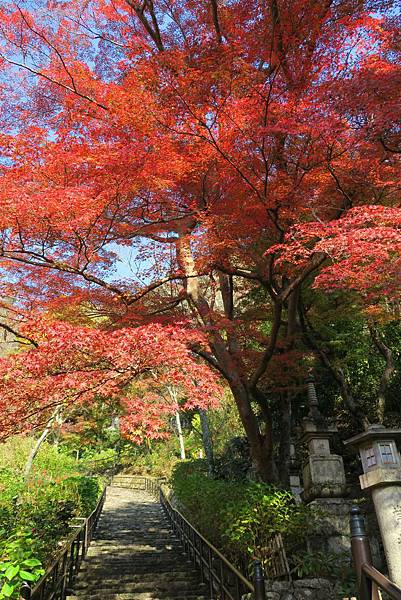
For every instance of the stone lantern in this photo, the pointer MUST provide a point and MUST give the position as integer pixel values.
(323, 473)
(381, 463)
(324, 482)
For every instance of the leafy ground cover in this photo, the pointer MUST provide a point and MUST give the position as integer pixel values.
(35, 515)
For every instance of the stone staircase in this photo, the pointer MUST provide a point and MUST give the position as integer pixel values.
(135, 556)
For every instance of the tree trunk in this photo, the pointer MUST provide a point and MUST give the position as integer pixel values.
(285, 439)
(36, 447)
(180, 436)
(388, 372)
(228, 362)
(207, 440)
(174, 397)
(260, 444)
(293, 333)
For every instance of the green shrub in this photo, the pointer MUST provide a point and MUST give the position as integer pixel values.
(100, 461)
(235, 461)
(48, 505)
(327, 565)
(50, 461)
(157, 460)
(262, 512)
(89, 489)
(18, 563)
(35, 516)
(11, 486)
(240, 518)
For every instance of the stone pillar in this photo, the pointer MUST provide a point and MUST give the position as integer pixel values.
(295, 480)
(324, 481)
(382, 475)
(323, 474)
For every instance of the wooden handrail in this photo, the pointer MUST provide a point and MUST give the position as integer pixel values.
(165, 501)
(382, 582)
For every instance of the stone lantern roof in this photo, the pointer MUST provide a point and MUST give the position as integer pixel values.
(374, 432)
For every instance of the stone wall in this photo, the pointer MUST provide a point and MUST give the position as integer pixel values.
(304, 589)
(331, 533)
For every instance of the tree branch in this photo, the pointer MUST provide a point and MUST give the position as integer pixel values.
(278, 309)
(18, 335)
(316, 261)
(59, 83)
(215, 15)
(389, 369)
(210, 360)
(154, 30)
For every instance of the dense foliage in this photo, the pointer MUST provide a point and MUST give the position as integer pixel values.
(241, 154)
(35, 515)
(239, 517)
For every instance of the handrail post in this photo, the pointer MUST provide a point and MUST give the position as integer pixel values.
(258, 581)
(25, 591)
(361, 554)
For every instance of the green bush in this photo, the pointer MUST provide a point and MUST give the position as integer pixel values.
(327, 565)
(235, 461)
(88, 489)
(48, 506)
(18, 563)
(240, 518)
(52, 462)
(35, 516)
(90, 459)
(11, 486)
(262, 512)
(157, 460)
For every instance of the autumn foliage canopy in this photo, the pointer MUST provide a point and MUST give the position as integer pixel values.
(233, 149)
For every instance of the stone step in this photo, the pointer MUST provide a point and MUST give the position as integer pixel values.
(154, 595)
(123, 558)
(134, 541)
(114, 568)
(140, 554)
(133, 544)
(135, 556)
(141, 586)
(188, 574)
(139, 549)
(174, 562)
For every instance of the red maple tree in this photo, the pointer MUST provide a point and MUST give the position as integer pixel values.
(231, 145)
(70, 364)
